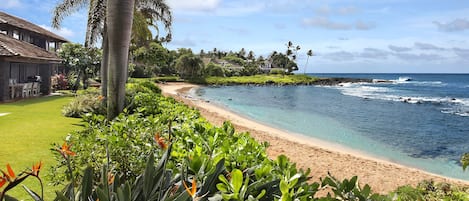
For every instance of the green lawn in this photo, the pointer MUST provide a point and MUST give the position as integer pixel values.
(27, 134)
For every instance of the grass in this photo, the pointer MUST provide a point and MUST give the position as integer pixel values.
(259, 79)
(27, 134)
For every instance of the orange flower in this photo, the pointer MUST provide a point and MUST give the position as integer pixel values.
(194, 187)
(11, 175)
(36, 168)
(160, 141)
(65, 150)
(110, 178)
(3, 180)
(100, 98)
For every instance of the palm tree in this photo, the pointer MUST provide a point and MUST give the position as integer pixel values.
(151, 11)
(119, 17)
(310, 54)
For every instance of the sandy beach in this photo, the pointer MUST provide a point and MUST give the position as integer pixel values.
(321, 157)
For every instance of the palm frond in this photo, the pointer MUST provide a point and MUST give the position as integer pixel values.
(157, 11)
(96, 19)
(66, 8)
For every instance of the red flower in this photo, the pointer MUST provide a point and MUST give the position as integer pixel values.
(65, 150)
(3, 180)
(36, 168)
(194, 188)
(11, 175)
(160, 141)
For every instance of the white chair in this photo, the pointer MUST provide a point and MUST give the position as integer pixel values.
(36, 89)
(27, 89)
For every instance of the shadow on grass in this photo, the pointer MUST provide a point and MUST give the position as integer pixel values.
(31, 101)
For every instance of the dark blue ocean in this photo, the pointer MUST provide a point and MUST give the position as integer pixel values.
(418, 120)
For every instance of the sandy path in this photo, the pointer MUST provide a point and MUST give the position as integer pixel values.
(321, 157)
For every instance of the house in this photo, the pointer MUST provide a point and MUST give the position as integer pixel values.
(27, 55)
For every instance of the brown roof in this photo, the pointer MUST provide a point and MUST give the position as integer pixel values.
(11, 47)
(23, 24)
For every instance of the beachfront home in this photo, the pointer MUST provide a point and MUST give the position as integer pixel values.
(27, 58)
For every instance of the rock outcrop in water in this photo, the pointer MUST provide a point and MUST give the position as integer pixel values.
(336, 81)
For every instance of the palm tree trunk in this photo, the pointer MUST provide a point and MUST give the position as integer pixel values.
(306, 66)
(119, 21)
(104, 62)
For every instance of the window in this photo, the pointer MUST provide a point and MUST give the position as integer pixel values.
(16, 34)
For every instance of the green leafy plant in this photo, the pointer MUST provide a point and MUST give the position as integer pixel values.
(84, 104)
(348, 189)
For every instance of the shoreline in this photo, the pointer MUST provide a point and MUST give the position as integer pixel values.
(318, 155)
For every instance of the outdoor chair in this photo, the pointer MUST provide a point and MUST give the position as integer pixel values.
(27, 87)
(35, 89)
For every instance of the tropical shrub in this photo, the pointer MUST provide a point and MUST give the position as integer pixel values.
(59, 82)
(87, 102)
(235, 60)
(213, 70)
(277, 71)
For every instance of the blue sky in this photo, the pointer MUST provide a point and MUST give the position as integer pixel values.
(361, 36)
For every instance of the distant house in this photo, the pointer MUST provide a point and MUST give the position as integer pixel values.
(27, 55)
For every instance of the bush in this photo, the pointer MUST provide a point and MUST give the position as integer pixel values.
(214, 70)
(235, 60)
(59, 82)
(89, 101)
(277, 71)
(167, 79)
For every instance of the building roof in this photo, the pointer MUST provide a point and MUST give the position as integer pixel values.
(23, 24)
(11, 47)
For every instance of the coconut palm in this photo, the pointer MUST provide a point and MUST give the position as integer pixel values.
(309, 54)
(149, 11)
(119, 15)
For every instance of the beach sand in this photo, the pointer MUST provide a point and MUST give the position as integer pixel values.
(321, 157)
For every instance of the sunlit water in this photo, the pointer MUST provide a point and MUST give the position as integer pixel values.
(416, 120)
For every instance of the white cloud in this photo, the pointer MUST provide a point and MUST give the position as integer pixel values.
(364, 25)
(347, 10)
(215, 7)
(326, 23)
(399, 48)
(194, 5)
(373, 53)
(187, 42)
(323, 22)
(463, 53)
(455, 25)
(339, 56)
(7, 4)
(422, 57)
(427, 46)
(326, 10)
(64, 32)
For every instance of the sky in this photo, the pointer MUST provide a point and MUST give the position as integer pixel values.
(346, 36)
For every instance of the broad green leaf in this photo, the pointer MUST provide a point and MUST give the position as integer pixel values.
(87, 183)
(284, 187)
(236, 180)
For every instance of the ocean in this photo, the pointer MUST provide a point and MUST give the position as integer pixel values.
(417, 120)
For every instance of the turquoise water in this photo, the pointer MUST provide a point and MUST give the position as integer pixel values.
(420, 122)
